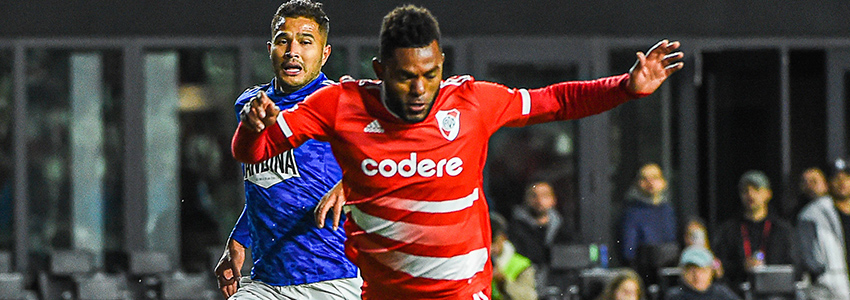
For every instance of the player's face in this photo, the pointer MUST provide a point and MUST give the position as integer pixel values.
(411, 79)
(298, 51)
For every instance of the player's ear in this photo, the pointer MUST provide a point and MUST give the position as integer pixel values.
(326, 52)
(269, 48)
(378, 68)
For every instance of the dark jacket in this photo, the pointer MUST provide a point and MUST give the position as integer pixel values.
(533, 241)
(645, 223)
(780, 247)
(716, 291)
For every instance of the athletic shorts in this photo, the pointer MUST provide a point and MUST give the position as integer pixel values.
(337, 289)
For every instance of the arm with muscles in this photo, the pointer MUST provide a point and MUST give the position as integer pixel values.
(228, 269)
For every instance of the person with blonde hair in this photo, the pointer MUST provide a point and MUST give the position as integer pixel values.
(626, 285)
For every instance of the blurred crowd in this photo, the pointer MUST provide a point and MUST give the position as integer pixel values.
(756, 253)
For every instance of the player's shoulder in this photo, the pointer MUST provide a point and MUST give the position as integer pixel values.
(457, 81)
(348, 85)
(250, 92)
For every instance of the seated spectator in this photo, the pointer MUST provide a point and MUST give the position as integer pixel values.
(536, 225)
(695, 233)
(648, 217)
(697, 281)
(823, 229)
(626, 285)
(758, 237)
(513, 274)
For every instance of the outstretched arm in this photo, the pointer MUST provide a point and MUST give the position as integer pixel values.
(651, 69)
(251, 142)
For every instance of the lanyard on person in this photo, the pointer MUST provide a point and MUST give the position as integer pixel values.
(745, 234)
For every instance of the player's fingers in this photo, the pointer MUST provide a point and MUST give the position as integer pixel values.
(320, 212)
(337, 212)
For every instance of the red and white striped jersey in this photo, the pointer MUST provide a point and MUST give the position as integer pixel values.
(418, 223)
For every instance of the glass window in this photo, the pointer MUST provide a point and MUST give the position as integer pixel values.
(210, 179)
(6, 155)
(48, 141)
(638, 129)
(366, 53)
(547, 152)
(73, 141)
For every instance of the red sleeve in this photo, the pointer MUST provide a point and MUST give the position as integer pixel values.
(253, 147)
(310, 119)
(578, 99)
(560, 101)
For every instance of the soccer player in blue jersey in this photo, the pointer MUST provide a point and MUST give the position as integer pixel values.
(293, 259)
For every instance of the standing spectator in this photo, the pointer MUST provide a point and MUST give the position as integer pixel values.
(823, 228)
(513, 274)
(812, 186)
(649, 218)
(757, 238)
(697, 282)
(626, 285)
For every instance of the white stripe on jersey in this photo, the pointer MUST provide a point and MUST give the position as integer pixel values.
(526, 102)
(433, 207)
(283, 126)
(406, 232)
(441, 268)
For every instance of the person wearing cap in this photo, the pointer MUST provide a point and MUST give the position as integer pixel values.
(697, 281)
(823, 227)
(758, 237)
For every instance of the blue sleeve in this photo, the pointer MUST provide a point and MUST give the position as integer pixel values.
(241, 232)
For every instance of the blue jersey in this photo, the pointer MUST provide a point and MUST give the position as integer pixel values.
(277, 222)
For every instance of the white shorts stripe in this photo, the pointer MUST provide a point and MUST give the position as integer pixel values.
(283, 126)
(526, 101)
(441, 268)
(446, 206)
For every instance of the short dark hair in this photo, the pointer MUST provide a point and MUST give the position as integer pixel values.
(302, 8)
(407, 26)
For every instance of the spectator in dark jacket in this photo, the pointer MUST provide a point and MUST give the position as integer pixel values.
(757, 238)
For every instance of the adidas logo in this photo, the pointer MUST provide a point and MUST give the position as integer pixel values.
(373, 127)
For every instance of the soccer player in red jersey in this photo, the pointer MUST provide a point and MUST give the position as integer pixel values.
(412, 148)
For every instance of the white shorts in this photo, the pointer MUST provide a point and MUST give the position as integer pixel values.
(337, 289)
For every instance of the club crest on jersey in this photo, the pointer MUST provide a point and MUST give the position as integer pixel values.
(272, 171)
(449, 122)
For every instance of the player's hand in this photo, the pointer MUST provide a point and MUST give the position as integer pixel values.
(227, 271)
(259, 112)
(333, 200)
(651, 69)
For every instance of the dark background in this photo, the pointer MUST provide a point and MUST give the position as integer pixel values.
(45, 18)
